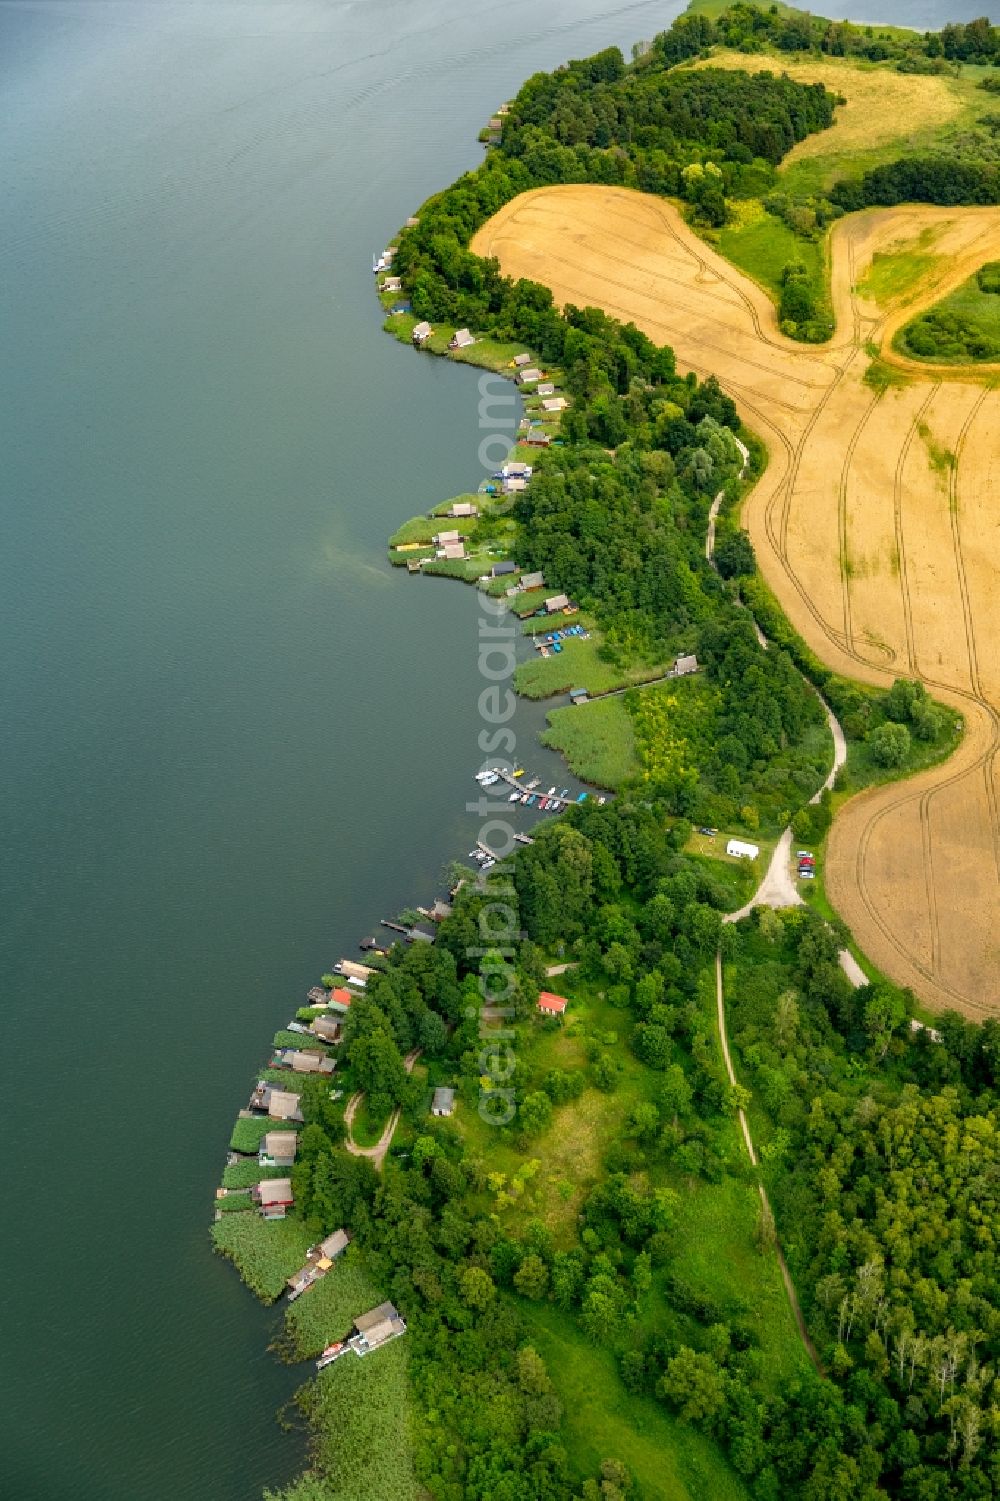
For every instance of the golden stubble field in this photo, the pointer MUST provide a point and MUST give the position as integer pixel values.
(877, 524)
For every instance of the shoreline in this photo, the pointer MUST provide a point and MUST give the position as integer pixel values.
(524, 456)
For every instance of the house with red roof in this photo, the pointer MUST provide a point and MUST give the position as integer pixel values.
(552, 1005)
(339, 1000)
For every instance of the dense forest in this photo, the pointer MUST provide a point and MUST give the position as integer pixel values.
(749, 27)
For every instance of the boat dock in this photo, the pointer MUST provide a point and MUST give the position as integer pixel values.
(547, 802)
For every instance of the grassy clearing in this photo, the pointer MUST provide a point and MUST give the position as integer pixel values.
(863, 771)
(366, 1129)
(961, 329)
(667, 1458)
(717, 1256)
(597, 741)
(265, 1253)
(740, 877)
(580, 665)
(417, 529)
(897, 272)
(762, 245)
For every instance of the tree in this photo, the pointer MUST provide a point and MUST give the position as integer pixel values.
(695, 1386)
(734, 555)
(535, 1113)
(675, 1092)
(532, 1377)
(532, 1278)
(378, 1067)
(889, 744)
(476, 1288)
(644, 1120)
(884, 1015)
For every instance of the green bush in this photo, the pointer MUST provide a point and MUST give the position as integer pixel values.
(988, 277)
(890, 744)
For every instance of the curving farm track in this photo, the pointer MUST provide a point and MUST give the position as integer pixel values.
(877, 524)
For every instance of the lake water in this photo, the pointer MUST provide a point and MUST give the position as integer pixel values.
(232, 737)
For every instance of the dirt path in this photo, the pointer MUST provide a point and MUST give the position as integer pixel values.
(778, 888)
(875, 524)
(786, 1276)
(378, 1151)
(713, 517)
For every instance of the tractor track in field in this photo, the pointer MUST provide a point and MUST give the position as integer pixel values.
(808, 405)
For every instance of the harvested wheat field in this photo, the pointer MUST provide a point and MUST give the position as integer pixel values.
(877, 524)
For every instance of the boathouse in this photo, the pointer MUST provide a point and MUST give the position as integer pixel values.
(421, 333)
(412, 222)
(443, 538)
(351, 970)
(516, 470)
(443, 1102)
(555, 603)
(273, 1197)
(552, 1005)
(279, 1104)
(326, 1028)
(304, 1062)
(462, 339)
(277, 1149)
(377, 1328)
(319, 1260)
(578, 695)
(421, 935)
(333, 1246)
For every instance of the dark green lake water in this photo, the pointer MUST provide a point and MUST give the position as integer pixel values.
(232, 737)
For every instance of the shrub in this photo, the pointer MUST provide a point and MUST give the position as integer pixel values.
(988, 277)
(889, 744)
